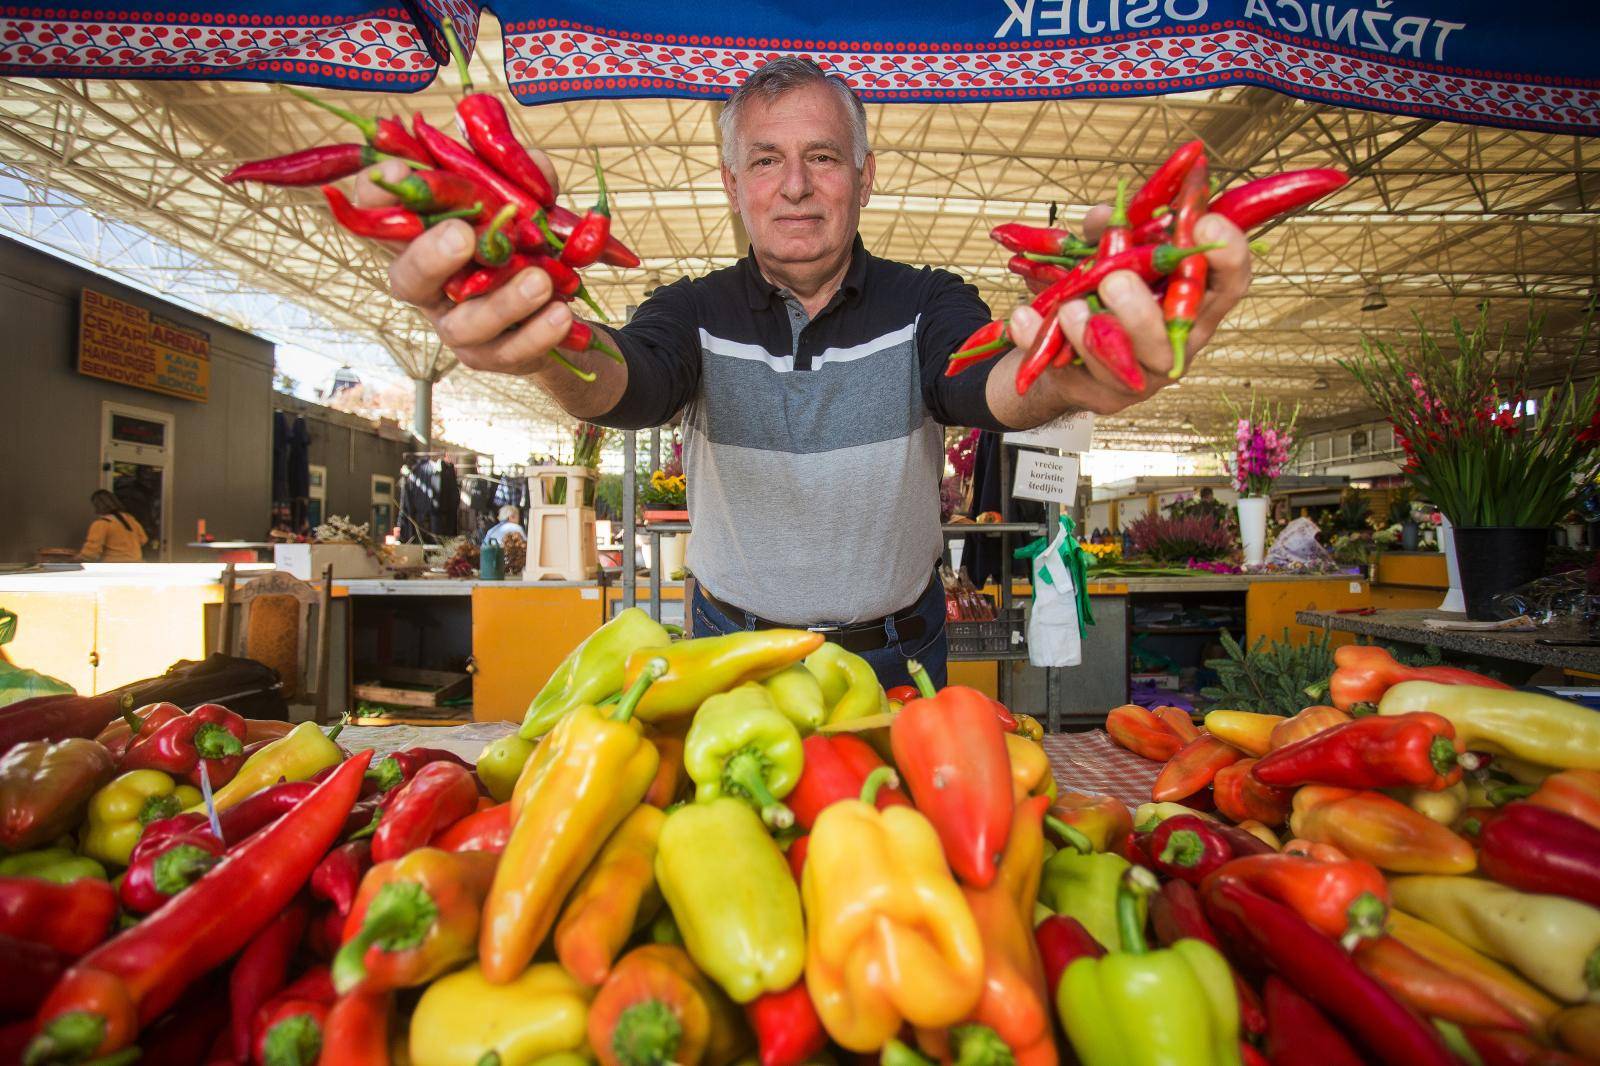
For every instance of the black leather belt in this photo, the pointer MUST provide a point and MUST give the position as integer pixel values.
(855, 636)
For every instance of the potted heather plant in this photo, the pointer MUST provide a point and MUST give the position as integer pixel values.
(1502, 456)
(1262, 446)
(1181, 539)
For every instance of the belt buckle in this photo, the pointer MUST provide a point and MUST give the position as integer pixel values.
(824, 629)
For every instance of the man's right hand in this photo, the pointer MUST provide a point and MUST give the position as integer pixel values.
(510, 331)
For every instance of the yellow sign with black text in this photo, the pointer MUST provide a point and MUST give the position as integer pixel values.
(122, 342)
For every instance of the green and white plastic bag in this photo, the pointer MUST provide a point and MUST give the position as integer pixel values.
(1060, 599)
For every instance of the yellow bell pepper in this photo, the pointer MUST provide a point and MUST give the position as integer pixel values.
(464, 1018)
(119, 812)
(587, 774)
(849, 686)
(1030, 769)
(1553, 941)
(1028, 726)
(1248, 731)
(1519, 997)
(1540, 729)
(701, 668)
(295, 756)
(500, 763)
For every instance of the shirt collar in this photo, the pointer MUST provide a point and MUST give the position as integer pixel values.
(761, 291)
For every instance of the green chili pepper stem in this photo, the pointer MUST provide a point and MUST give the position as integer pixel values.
(981, 351)
(630, 699)
(647, 1033)
(344, 720)
(1119, 206)
(1074, 837)
(594, 305)
(1166, 257)
(879, 778)
(1503, 795)
(295, 1041)
(1363, 918)
(920, 678)
(469, 212)
(386, 772)
(400, 917)
(457, 53)
(745, 772)
(135, 723)
(1457, 1042)
(577, 372)
(896, 1053)
(549, 235)
(367, 126)
(367, 830)
(605, 349)
(1056, 260)
(603, 205)
(1184, 848)
(1136, 883)
(1471, 827)
(178, 868)
(1442, 754)
(67, 1037)
(1095, 306)
(979, 1045)
(212, 741)
(156, 808)
(1260, 246)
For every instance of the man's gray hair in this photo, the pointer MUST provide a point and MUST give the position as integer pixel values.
(784, 75)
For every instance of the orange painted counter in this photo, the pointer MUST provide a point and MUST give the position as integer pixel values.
(1407, 581)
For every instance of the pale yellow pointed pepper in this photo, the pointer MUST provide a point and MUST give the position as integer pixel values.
(295, 756)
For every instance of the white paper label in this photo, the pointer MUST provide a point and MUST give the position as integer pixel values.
(1072, 433)
(1046, 477)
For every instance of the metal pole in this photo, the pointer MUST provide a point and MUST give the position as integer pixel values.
(630, 517)
(422, 412)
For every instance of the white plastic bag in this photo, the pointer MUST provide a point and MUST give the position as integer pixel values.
(1055, 633)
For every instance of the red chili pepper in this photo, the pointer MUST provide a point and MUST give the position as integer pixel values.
(1062, 941)
(484, 123)
(1041, 273)
(440, 795)
(562, 223)
(261, 971)
(385, 134)
(311, 166)
(1537, 849)
(986, 341)
(588, 239)
(788, 1030)
(1151, 262)
(952, 755)
(1317, 967)
(356, 1030)
(1298, 1034)
(1041, 240)
(452, 155)
(1186, 288)
(210, 732)
(438, 190)
(1163, 185)
(190, 1029)
(381, 223)
(1378, 751)
(161, 872)
(1176, 914)
(1105, 341)
(1243, 797)
(486, 830)
(581, 337)
(835, 768)
(1249, 205)
(338, 875)
(565, 280)
(529, 235)
(1118, 234)
(30, 969)
(1187, 847)
(492, 247)
(1140, 731)
(1347, 900)
(1193, 768)
(1047, 345)
(100, 1004)
(473, 280)
(287, 1030)
(1431, 990)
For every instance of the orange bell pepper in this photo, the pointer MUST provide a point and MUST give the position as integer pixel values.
(1242, 797)
(1531, 1006)
(655, 1006)
(1430, 989)
(1574, 792)
(1248, 731)
(1308, 723)
(604, 909)
(1380, 830)
(1014, 1003)
(1193, 768)
(1103, 819)
(1142, 733)
(1030, 769)
(1346, 900)
(670, 775)
(1363, 673)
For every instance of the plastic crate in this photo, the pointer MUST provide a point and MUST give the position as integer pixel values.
(986, 638)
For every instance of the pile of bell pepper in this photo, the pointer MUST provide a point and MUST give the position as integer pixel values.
(1415, 872)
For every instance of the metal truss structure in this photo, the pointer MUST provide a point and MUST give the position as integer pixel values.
(1438, 217)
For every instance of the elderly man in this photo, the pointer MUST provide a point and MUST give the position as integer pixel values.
(810, 377)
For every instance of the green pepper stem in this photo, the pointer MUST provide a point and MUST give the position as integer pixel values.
(575, 371)
(646, 1034)
(979, 1045)
(594, 305)
(367, 126)
(1136, 883)
(920, 678)
(386, 773)
(399, 918)
(1442, 754)
(135, 723)
(177, 868)
(344, 720)
(212, 741)
(549, 235)
(295, 1041)
(603, 205)
(745, 773)
(1071, 834)
(1503, 795)
(470, 213)
(1054, 260)
(1457, 1042)
(1184, 848)
(883, 776)
(652, 671)
(1363, 918)
(605, 349)
(457, 53)
(68, 1037)
(489, 1058)
(896, 1053)
(1119, 206)
(156, 808)
(1166, 257)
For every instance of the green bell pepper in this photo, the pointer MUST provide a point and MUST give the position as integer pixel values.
(61, 865)
(849, 687)
(500, 763)
(1083, 885)
(740, 744)
(1138, 1007)
(798, 694)
(593, 670)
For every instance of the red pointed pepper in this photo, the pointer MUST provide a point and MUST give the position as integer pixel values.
(1505, 1047)
(245, 818)
(381, 223)
(338, 875)
(1159, 189)
(261, 971)
(1431, 990)
(1046, 349)
(1063, 940)
(1536, 849)
(161, 872)
(484, 123)
(1140, 731)
(310, 166)
(287, 1030)
(788, 1030)
(1176, 914)
(1363, 673)
(70, 918)
(564, 222)
(1193, 768)
(1298, 1034)
(1378, 751)
(30, 969)
(588, 238)
(210, 732)
(474, 280)
(1249, 205)
(398, 767)
(100, 1004)
(356, 1030)
(1106, 342)
(1151, 262)
(1186, 288)
(835, 768)
(1243, 797)
(433, 191)
(384, 134)
(440, 795)
(485, 830)
(1040, 240)
(1348, 900)
(134, 726)
(1038, 273)
(952, 757)
(184, 1035)
(1117, 237)
(492, 245)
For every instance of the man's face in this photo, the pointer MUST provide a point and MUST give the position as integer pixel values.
(794, 179)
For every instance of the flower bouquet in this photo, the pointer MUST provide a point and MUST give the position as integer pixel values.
(1263, 446)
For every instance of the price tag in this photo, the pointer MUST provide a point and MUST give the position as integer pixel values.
(1071, 433)
(1050, 478)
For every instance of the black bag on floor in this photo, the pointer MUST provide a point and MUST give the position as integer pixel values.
(244, 686)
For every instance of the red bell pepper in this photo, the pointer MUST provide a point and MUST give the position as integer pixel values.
(100, 1004)
(1363, 673)
(1193, 768)
(399, 767)
(30, 969)
(1186, 846)
(45, 789)
(1321, 971)
(952, 756)
(1141, 732)
(1176, 914)
(287, 1030)
(261, 971)
(1243, 797)
(210, 733)
(1298, 1034)
(70, 918)
(1536, 849)
(356, 1030)
(1430, 989)
(1062, 941)
(788, 1030)
(835, 769)
(161, 872)
(338, 875)
(440, 795)
(1390, 751)
(1348, 901)
(485, 830)
(134, 726)
(57, 718)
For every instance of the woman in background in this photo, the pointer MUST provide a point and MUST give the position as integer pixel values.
(115, 536)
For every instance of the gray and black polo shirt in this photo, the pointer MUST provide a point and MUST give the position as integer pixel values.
(811, 445)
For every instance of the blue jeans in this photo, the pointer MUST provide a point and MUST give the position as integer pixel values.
(888, 662)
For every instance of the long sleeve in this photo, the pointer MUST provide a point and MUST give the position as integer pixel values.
(94, 546)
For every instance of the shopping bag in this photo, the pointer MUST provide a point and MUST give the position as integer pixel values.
(1060, 599)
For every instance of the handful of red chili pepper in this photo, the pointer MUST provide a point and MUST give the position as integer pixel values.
(1162, 212)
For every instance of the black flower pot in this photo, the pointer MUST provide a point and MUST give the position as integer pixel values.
(1497, 559)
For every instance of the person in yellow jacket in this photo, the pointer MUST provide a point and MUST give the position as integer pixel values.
(115, 536)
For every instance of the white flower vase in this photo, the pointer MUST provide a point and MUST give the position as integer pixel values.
(1454, 602)
(673, 550)
(1253, 528)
